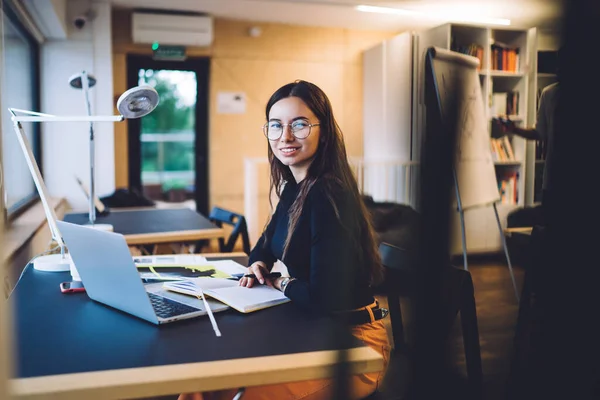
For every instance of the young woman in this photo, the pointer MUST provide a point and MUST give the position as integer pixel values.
(320, 230)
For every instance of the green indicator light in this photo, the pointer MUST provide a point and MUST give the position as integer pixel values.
(155, 46)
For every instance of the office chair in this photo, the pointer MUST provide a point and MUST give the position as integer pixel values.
(399, 272)
(220, 216)
(458, 296)
(521, 341)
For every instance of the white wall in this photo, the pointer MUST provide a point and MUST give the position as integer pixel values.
(387, 88)
(548, 40)
(65, 146)
(387, 106)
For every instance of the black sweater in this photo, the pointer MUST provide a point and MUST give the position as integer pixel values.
(322, 255)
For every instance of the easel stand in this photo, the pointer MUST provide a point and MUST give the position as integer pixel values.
(464, 238)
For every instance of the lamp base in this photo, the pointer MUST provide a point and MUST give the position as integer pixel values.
(53, 263)
(102, 227)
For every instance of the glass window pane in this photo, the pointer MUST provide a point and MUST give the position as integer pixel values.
(168, 133)
(17, 92)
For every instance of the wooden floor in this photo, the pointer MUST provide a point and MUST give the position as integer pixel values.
(497, 309)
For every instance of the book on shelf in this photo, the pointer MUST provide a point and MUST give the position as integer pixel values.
(507, 187)
(497, 153)
(512, 103)
(242, 299)
(472, 49)
(507, 146)
(505, 57)
(502, 150)
(505, 103)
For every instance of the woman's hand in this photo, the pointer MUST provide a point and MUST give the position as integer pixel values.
(259, 269)
(501, 127)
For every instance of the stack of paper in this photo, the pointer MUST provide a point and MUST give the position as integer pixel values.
(182, 267)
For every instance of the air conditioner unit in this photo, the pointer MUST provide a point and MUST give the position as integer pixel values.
(181, 30)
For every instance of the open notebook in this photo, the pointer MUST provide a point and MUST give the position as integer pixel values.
(227, 291)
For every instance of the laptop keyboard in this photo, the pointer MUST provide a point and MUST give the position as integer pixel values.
(166, 308)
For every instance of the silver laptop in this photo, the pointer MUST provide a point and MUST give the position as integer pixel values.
(110, 276)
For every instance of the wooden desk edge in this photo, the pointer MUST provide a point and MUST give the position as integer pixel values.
(194, 377)
(223, 255)
(174, 236)
(521, 229)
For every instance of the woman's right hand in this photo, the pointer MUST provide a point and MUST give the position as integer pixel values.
(259, 269)
(506, 126)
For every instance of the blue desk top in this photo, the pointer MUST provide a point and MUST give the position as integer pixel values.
(154, 220)
(58, 333)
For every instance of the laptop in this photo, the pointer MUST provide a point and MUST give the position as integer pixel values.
(110, 277)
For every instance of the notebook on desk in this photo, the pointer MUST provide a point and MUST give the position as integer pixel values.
(243, 299)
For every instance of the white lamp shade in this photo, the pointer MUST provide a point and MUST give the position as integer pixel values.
(137, 102)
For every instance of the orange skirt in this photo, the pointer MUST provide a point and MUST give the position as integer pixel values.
(372, 334)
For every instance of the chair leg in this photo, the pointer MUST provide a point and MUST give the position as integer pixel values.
(517, 379)
(518, 365)
(470, 331)
(396, 320)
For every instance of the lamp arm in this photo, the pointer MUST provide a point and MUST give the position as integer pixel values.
(39, 184)
(14, 112)
(33, 116)
(74, 118)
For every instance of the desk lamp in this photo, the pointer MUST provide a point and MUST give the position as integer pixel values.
(134, 103)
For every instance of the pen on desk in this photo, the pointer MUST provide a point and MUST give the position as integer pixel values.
(210, 314)
(268, 276)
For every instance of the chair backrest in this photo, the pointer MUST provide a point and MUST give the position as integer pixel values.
(394, 257)
(220, 216)
(399, 268)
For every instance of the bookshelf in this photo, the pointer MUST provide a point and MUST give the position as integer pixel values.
(505, 74)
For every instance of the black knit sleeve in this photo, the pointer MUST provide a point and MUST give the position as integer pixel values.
(262, 250)
(332, 253)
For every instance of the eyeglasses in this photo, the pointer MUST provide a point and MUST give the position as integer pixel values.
(300, 129)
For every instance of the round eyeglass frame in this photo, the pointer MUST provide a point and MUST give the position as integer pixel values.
(266, 131)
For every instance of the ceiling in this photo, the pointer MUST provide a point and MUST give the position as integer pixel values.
(341, 13)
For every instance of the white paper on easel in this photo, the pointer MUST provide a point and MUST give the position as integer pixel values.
(231, 102)
(457, 79)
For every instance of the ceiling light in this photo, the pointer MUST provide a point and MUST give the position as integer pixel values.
(387, 10)
(458, 17)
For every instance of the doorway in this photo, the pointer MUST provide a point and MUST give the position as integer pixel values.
(168, 148)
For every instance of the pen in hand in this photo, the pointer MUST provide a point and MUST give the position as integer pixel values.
(266, 276)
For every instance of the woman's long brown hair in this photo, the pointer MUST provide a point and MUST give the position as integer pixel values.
(330, 164)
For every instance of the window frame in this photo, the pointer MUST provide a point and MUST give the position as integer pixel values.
(20, 206)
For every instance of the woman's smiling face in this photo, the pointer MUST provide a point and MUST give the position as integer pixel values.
(292, 113)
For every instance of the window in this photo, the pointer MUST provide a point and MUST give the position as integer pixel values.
(20, 83)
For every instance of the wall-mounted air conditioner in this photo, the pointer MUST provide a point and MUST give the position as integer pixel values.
(182, 30)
